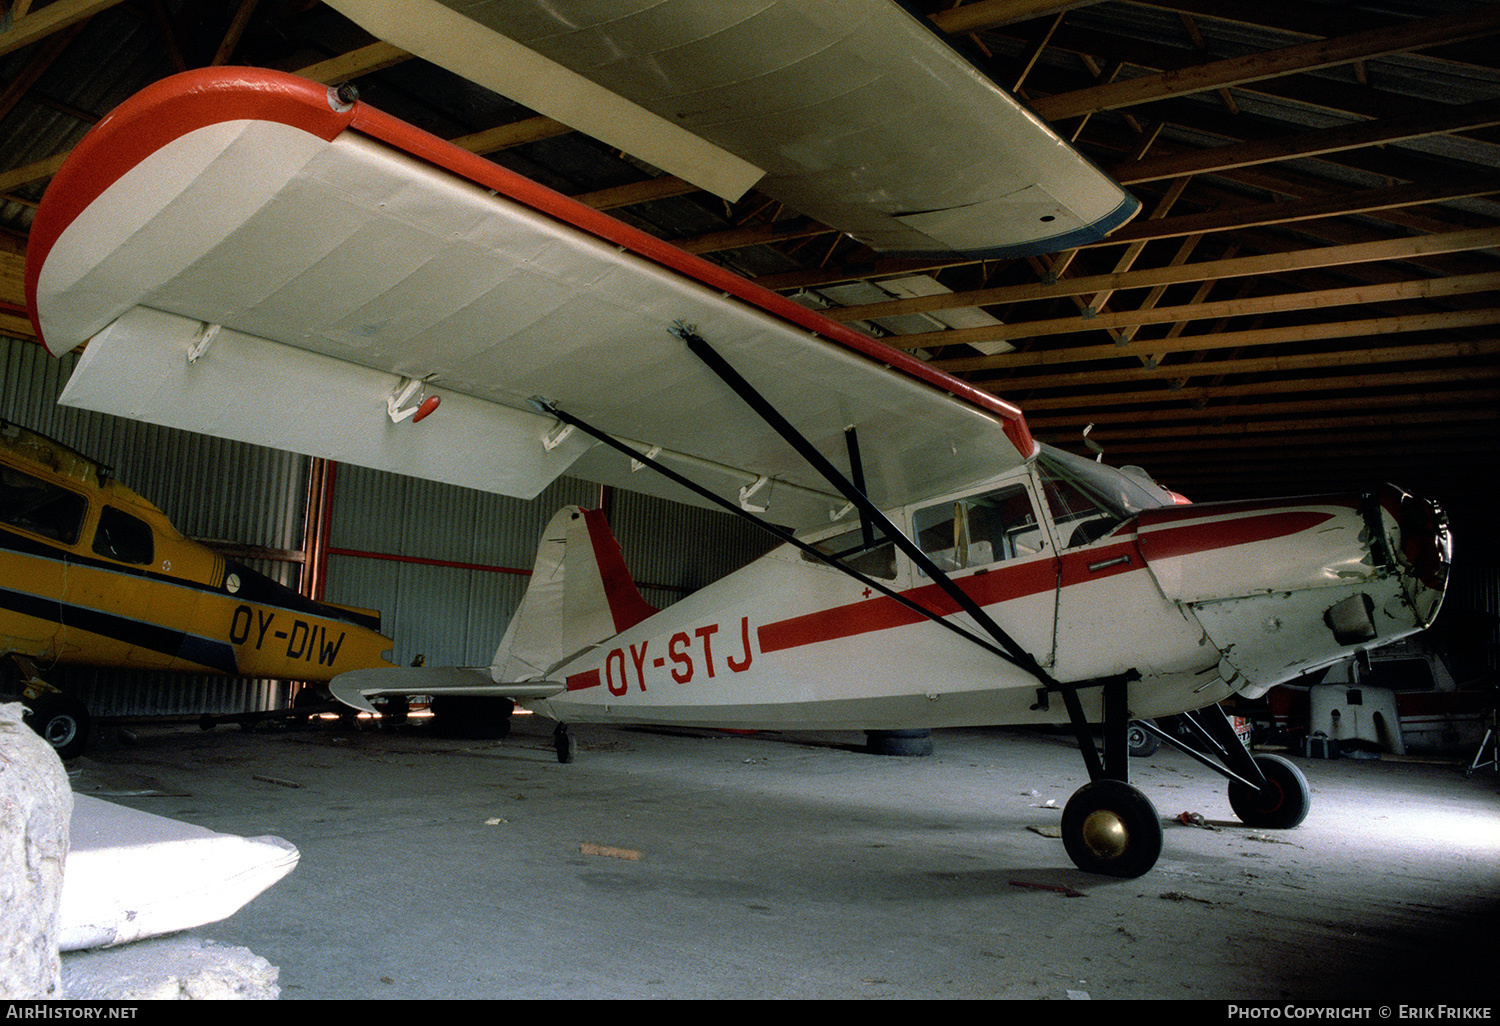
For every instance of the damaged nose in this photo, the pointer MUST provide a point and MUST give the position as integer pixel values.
(1281, 586)
(1419, 547)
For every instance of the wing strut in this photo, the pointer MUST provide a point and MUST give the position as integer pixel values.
(551, 409)
(870, 514)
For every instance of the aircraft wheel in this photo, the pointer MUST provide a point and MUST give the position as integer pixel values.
(1282, 805)
(565, 744)
(1111, 828)
(471, 717)
(899, 742)
(1140, 741)
(62, 722)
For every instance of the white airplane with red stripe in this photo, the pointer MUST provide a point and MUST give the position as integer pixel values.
(251, 255)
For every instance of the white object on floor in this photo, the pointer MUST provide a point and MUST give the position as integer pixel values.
(133, 874)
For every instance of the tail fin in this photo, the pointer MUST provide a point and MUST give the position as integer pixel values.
(580, 595)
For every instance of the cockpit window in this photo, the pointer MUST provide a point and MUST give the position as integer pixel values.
(1087, 499)
(877, 561)
(978, 530)
(40, 507)
(123, 537)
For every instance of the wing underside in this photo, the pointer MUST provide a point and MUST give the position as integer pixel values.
(858, 113)
(279, 278)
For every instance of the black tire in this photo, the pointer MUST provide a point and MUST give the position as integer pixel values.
(394, 710)
(1110, 828)
(471, 717)
(1140, 741)
(62, 722)
(565, 744)
(1282, 805)
(899, 742)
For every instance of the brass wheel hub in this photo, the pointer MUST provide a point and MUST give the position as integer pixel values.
(1105, 833)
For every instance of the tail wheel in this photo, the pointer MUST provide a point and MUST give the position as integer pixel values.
(62, 722)
(1111, 828)
(1281, 804)
(564, 743)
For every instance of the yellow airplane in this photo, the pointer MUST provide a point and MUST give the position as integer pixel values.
(91, 574)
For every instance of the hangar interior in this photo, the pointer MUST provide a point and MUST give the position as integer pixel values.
(1304, 304)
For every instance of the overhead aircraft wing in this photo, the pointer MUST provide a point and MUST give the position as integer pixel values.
(858, 113)
(248, 256)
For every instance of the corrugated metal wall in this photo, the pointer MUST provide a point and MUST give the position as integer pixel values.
(207, 487)
(464, 556)
(474, 553)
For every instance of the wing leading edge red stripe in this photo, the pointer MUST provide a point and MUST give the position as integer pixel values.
(185, 102)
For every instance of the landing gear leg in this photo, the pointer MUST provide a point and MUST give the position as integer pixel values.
(1264, 790)
(1108, 826)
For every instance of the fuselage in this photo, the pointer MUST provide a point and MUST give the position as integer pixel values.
(1092, 571)
(93, 574)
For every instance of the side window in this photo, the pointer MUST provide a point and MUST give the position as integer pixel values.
(878, 561)
(123, 537)
(35, 505)
(980, 529)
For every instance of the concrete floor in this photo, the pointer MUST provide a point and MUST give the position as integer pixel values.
(692, 864)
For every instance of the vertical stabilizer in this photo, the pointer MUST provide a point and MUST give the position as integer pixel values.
(580, 595)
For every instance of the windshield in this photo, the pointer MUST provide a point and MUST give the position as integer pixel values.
(1088, 499)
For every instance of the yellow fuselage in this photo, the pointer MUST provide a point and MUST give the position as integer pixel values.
(93, 574)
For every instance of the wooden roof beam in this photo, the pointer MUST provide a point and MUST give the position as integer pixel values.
(1356, 295)
(1264, 263)
(1459, 118)
(53, 18)
(1414, 353)
(1322, 53)
(1363, 328)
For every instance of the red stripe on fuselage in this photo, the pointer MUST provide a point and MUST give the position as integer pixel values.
(986, 587)
(586, 679)
(1006, 582)
(1190, 538)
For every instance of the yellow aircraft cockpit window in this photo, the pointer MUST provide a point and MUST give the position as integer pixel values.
(123, 537)
(40, 507)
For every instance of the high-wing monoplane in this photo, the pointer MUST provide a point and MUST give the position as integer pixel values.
(95, 575)
(252, 255)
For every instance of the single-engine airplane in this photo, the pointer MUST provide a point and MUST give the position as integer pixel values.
(91, 574)
(252, 255)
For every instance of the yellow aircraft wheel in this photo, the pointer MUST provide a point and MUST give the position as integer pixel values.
(60, 721)
(1109, 827)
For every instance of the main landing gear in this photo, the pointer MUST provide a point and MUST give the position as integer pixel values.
(1110, 827)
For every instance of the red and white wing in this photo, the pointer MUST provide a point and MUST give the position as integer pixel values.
(247, 256)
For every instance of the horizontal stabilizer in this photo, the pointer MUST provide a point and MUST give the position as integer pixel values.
(357, 687)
